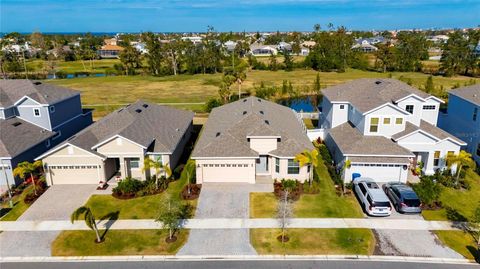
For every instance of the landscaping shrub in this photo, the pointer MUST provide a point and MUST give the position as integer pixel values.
(294, 193)
(31, 197)
(128, 187)
(61, 74)
(313, 188)
(428, 191)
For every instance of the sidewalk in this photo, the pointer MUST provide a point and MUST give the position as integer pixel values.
(238, 223)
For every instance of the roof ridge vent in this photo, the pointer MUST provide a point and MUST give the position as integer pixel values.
(378, 82)
(15, 124)
(145, 105)
(37, 83)
(267, 122)
(217, 134)
(244, 112)
(138, 110)
(244, 100)
(261, 112)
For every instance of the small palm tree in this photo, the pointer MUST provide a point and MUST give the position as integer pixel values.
(24, 169)
(89, 220)
(308, 158)
(157, 164)
(461, 160)
(189, 170)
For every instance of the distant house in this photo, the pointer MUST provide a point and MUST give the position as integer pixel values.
(262, 50)
(249, 140)
(364, 47)
(35, 116)
(140, 46)
(463, 117)
(118, 144)
(284, 46)
(194, 39)
(230, 45)
(110, 41)
(304, 51)
(110, 51)
(309, 44)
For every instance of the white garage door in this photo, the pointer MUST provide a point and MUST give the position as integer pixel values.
(379, 173)
(87, 174)
(223, 173)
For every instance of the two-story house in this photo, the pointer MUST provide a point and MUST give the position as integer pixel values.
(249, 141)
(118, 144)
(383, 127)
(35, 116)
(463, 117)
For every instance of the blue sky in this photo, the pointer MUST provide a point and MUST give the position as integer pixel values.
(227, 15)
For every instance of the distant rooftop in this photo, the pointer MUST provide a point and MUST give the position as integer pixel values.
(469, 93)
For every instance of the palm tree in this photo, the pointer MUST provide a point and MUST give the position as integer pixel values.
(308, 158)
(189, 169)
(26, 168)
(89, 220)
(157, 164)
(460, 160)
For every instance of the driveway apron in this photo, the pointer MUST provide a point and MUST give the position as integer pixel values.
(57, 203)
(221, 201)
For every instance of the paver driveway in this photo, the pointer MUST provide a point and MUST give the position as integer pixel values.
(57, 203)
(222, 201)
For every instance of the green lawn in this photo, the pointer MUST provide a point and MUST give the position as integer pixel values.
(462, 242)
(19, 207)
(97, 66)
(463, 202)
(112, 92)
(325, 204)
(137, 208)
(117, 242)
(314, 241)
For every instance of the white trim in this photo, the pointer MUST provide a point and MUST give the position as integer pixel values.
(158, 153)
(122, 153)
(220, 158)
(438, 140)
(61, 147)
(71, 119)
(384, 105)
(23, 98)
(379, 155)
(264, 137)
(111, 138)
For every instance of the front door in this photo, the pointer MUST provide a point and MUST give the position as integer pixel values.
(262, 165)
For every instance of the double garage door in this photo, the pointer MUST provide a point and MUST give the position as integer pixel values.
(380, 172)
(244, 173)
(85, 174)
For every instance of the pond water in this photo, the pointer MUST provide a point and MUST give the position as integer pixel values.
(301, 104)
(50, 76)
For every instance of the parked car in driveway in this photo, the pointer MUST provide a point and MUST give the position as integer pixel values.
(372, 198)
(403, 197)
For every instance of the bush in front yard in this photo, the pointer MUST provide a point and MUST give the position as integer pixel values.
(294, 194)
(428, 191)
(128, 187)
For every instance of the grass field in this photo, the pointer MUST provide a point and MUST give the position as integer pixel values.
(117, 242)
(462, 242)
(19, 207)
(105, 94)
(96, 66)
(463, 202)
(137, 208)
(325, 204)
(314, 241)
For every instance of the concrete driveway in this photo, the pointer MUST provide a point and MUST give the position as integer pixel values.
(222, 201)
(57, 203)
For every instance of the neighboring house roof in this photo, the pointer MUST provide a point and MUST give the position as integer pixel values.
(427, 128)
(364, 45)
(227, 128)
(369, 93)
(371, 159)
(17, 136)
(351, 142)
(155, 127)
(111, 47)
(12, 90)
(469, 93)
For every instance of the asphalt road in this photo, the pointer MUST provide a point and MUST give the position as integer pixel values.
(235, 265)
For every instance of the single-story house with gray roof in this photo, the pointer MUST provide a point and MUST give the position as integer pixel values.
(249, 140)
(117, 145)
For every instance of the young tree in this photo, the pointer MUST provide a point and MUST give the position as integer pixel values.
(189, 171)
(273, 62)
(460, 160)
(475, 227)
(309, 158)
(429, 87)
(157, 164)
(284, 209)
(154, 53)
(288, 60)
(89, 220)
(130, 58)
(27, 168)
(170, 215)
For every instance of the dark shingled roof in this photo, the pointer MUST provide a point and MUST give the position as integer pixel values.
(351, 141)
(158, 128)
(227, 128)
(17, 136)
(428, 128)
(368, 93)
(12, 90)
(470, 93)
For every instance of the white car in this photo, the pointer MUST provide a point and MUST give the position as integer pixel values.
(372, 197)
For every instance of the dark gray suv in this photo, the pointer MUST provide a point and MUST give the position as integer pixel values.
(403, 198)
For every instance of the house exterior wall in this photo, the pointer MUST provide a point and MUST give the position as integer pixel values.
(6, 113)
(6, 175)
(65, 110)
(339, 114)
(384, 129)
(459, 122)
(174, 158)
(302, 176)
(69, 128)
(263, 145)
(431, 115)
(25, 111)
(125, 150)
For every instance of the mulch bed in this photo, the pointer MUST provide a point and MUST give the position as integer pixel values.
(194, 192)
(31, 197)
(293, 195)
(284, 239)
(171, 240)
(435, 206)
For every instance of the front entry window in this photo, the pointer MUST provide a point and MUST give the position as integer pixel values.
(293, 167)
(135, 163)
(277, 165)
(436, 158)
(374, 125)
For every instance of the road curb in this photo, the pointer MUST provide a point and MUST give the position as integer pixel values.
(173, 258)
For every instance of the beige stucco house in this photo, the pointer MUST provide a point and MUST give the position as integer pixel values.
(249, 140)
(117, 145)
